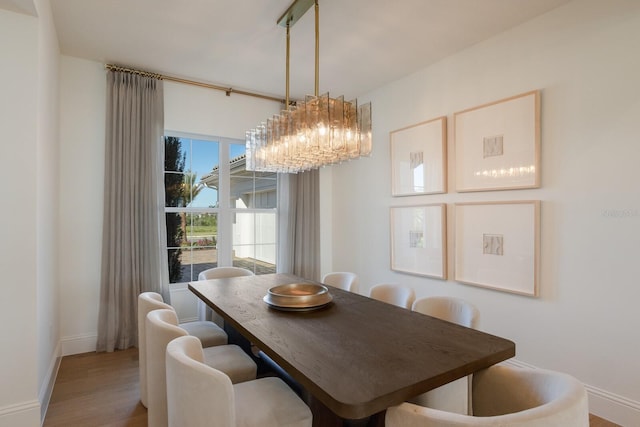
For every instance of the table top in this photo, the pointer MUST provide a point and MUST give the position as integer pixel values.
(358, 356)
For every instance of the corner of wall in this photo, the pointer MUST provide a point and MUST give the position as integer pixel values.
(50, 379)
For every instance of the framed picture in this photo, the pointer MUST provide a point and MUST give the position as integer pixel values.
(418, 158)
(418, 240)
(497, 245)
(498, 145)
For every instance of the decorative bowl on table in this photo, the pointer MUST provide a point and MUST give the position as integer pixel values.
(298, 297)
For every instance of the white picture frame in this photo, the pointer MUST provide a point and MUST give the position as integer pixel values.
(419, 158)
(418, 240)
(497, 245)
(497, 145)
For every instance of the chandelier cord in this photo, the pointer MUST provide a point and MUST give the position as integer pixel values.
(317, 83)
(287, 65)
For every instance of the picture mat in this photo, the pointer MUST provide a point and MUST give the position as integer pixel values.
(428, 138)
(513, 271)
(426, 257)
(516, 120)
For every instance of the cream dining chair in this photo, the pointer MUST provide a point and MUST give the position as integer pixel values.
(456, 395)
(208, 332)
(455, 310)
(162, 327)
(343, 280)
(402, 296)
(206, 313)
(505, 396)
(201, 396)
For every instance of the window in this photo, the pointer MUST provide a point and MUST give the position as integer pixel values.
(216, 213)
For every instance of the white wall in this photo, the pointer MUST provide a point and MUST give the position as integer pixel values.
(204, 111)
(82, 129)
(29, 304)
(47, 202)
(18, 83)
(82, 116)
(584, 58)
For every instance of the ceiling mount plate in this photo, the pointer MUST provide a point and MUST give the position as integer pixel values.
(295, 12)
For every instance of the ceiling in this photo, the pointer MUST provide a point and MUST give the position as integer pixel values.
(26, 7)
(364, 44)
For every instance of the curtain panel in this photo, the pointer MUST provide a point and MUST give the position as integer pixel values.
(134, 233)
(299, 224)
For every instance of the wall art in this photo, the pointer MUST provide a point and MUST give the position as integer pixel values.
(419, 158)
(497, 145)
(497, 245)
(418, 240)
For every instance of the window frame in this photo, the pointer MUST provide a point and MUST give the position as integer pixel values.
(224, 211)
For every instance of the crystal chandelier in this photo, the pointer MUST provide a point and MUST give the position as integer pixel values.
(315, 132)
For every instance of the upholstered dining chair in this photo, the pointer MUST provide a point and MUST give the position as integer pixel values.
(208, 332)
(456, 395)
(206, 313)
(507, 396)
(199, 396)
(402, 296)
(343, 280)
(222, 272)
(451, 309)
(162, 327)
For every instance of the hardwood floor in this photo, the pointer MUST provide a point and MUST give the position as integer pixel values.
(97, 389)
(102, 389)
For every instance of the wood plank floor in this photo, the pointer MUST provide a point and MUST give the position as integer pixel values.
(102, 389)
(97, 389)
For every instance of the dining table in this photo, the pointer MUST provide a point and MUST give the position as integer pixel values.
(355, 356)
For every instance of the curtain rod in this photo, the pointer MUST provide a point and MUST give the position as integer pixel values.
(227, 90)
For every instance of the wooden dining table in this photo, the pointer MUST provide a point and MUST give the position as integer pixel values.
(355, 356)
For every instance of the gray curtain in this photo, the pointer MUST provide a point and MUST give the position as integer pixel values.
(299, 224)
(134, 231)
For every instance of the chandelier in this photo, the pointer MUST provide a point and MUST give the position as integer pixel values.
(314, 132)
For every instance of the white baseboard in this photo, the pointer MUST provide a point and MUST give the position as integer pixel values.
(77, 344)
(24, 414)
(47, 386)
(612, 407)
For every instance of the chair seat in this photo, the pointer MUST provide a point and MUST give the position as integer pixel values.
(207, 332)
(231, 360)
(272, 404)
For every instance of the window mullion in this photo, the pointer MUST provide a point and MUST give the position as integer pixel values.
(225, 218)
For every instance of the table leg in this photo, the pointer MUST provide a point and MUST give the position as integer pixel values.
(324, 417)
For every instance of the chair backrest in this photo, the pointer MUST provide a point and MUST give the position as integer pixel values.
(147, 301)
(342, 279)
(456, 395)
(550, 398)
(451, 309)
(204, 312)
(223, 272)
(162, 328)
(402, 296)
(508, 396)
(197, 395)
